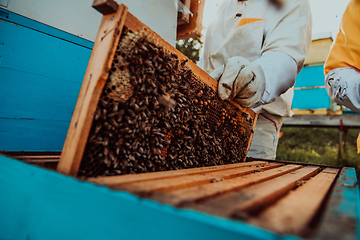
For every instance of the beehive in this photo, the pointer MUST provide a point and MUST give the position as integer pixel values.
(149, 109)
(281, 199)
(311, 201)
(286, 198)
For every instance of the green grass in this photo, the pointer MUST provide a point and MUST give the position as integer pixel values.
(318, 145)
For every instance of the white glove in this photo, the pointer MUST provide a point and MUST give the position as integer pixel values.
(342, 85)
(240, 80)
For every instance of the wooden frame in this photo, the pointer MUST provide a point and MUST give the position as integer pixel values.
(194, 27)
(96, 76)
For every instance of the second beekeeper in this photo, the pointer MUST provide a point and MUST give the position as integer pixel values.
(255, 49)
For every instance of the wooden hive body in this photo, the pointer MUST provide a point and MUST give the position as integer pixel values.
(257, 199)
(286, 198)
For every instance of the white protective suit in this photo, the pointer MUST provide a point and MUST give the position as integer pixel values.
(342, 67)
(277, 39)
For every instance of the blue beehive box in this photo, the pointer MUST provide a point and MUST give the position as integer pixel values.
(41, 71)
(309, 91)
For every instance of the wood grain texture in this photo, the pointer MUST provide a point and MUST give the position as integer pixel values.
(38, 192)
(105, 6)
(180, 197)
(95, 77)
(40, 204)
(293, 213)
(113, 180)
(256, 197)
(148, 187)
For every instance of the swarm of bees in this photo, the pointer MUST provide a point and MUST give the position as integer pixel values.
(155, 115)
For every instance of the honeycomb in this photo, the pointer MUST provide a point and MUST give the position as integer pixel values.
(154, 114)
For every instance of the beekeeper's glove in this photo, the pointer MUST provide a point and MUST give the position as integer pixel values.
(343, 86)
(240, 80)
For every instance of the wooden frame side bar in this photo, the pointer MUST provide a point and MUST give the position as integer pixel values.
(96, 75)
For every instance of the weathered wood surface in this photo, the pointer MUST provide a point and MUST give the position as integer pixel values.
(196, 184)
(254, 198)
(293, 213)
(105, 6)
(189, 195)
(311, 120)
(283, 198)
(113, 180)
(33, 157)
(39, 204)
(145, 188)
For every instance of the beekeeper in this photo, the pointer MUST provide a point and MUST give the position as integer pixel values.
(255, 49)
(342, 67)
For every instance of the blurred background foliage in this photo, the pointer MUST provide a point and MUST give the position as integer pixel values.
(190, 48)
(319, 146)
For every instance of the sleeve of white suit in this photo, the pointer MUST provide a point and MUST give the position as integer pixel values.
(284, 50)
(342, 85)
(292, 33)
(280, 73)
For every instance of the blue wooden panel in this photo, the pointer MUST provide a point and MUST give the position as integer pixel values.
(310, 77)
(26, 50)
(39, 204)
(32, 134)
(311, 99)
(341, 218)
(41, 76)
(40, 27)
(50, 99)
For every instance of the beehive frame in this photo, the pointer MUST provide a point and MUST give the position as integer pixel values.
(96, 76)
